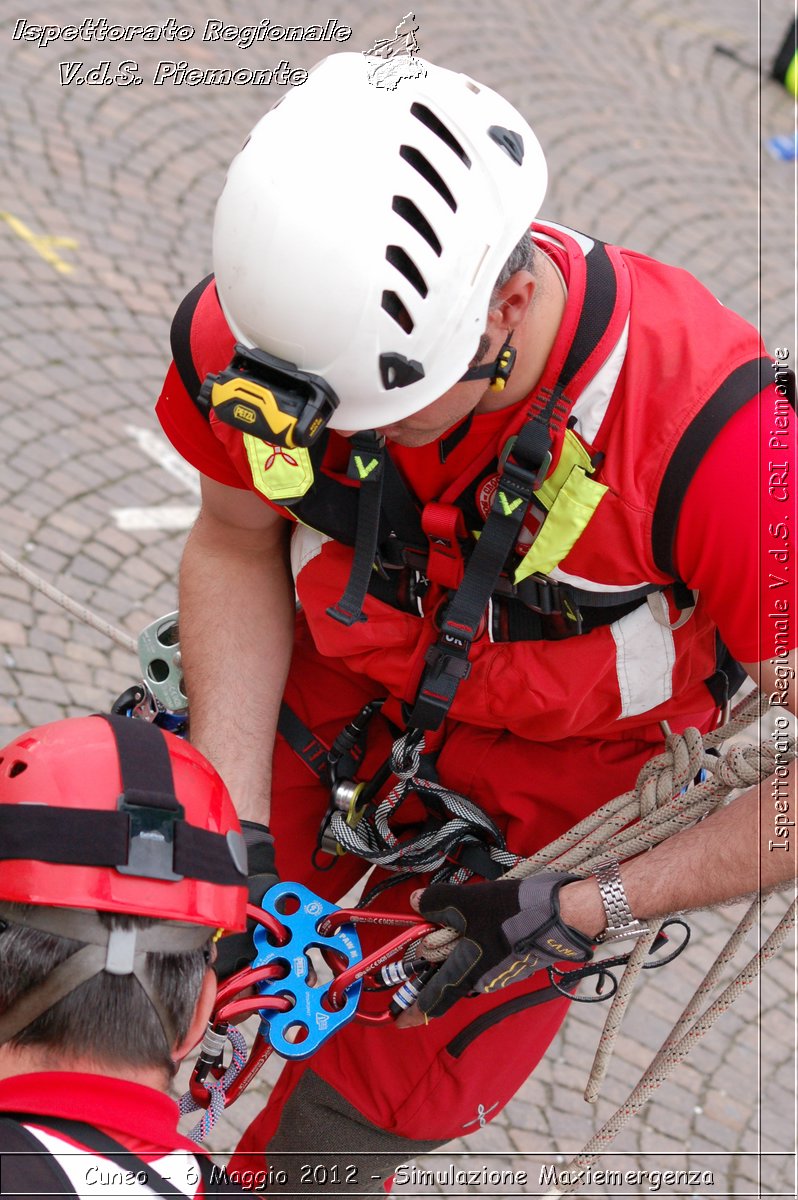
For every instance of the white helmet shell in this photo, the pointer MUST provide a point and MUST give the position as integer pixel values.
(361, 230)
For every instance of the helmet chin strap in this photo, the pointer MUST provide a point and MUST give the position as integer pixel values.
(498, 371)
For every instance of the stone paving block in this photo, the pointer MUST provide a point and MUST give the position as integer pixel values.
(32, 661)
(12, 587)
(37, 711)
(8, 683)
(42, 687)
(12, 632)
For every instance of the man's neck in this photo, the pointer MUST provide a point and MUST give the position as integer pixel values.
(29, 1060)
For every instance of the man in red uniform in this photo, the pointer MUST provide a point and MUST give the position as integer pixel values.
(122, 855)
(524, 474)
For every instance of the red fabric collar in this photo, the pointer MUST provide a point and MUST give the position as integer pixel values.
(142, 1119)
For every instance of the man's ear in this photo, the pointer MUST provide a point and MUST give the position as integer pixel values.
(199, 1021)
(514, 301)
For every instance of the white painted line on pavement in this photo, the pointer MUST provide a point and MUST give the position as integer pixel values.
(163, 516)
(156, 447)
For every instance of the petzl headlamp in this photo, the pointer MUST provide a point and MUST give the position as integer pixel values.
(269, 398)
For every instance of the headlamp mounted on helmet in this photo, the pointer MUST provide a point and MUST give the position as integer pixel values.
(270, 398)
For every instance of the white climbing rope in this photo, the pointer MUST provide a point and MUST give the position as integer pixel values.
(58, 597)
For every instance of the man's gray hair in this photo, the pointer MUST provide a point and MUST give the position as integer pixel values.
(109, 1017)
(522, 258)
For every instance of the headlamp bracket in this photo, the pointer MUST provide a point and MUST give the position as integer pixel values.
(270, 398)
(151, 842)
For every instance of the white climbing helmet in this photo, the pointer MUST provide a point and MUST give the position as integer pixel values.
(361, 230)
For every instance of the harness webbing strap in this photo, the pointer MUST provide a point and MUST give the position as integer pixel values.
(366, 464)
(601, 289)
(742, 385)
(447, 659)
(304, 743)
(524, 468)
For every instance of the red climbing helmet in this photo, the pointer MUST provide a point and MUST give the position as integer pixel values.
(115, 814)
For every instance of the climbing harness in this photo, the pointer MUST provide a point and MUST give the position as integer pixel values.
(432, 562)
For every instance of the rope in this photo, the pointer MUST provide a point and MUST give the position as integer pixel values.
(663, 801)
(678, 1044)
(371, 837)
(216, 1090)
(76, 610)
(618, 1006)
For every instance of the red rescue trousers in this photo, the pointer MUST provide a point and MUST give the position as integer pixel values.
(444, 1079)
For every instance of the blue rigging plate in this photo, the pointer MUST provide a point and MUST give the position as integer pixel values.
(308, 1014)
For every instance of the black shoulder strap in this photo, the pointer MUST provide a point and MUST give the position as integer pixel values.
(26, 1168)
(744, 383)
(180, 338)
(601, 289)
(215, 1182)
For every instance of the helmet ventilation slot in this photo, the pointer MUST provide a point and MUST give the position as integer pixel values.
(404, 264)
(396, 309)
(408, 211)
(425, 168)
(436, 126)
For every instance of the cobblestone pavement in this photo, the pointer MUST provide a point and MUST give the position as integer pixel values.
(654, 140)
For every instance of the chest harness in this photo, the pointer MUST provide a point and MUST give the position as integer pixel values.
(398, 550)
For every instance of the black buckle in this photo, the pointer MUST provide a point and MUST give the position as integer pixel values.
(444, 671)
(518, 479)
(151, 840)
(545, 596)
(443, 662)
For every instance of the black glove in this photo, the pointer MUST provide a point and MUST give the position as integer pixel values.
(510, 930)
(237, 950)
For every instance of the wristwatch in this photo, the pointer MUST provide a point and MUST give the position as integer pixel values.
(620, 922)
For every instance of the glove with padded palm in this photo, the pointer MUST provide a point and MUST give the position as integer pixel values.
(510, 930)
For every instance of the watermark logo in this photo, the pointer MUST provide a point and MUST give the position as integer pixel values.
(393, 59)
